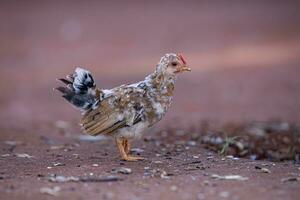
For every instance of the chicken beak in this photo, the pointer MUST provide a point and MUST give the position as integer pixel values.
(186, 68)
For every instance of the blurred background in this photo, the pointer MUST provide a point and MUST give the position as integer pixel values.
(244, 55)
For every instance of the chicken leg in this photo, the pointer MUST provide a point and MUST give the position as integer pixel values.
(126, 145)
(123, 147)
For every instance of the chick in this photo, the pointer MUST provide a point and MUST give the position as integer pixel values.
(124, 112)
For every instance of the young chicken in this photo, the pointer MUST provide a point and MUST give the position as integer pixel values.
(124, 112)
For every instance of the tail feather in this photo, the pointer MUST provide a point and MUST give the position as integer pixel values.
(65, 81)
(80, 89)
(83, 81)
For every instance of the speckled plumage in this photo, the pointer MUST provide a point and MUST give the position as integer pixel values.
(128, 110)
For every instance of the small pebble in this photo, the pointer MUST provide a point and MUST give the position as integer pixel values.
(124, 170)
(191, 143)
(232, 157)
(290, 179)
(23, 155)
(173, 188)
(76, 155)
(12, 143)
(58, 164)
(50, 191)
(136, 150)
(263, 169)
(224, 194)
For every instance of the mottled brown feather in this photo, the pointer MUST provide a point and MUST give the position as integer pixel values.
(103, 120)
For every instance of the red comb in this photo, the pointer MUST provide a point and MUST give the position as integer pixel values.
(181, 58)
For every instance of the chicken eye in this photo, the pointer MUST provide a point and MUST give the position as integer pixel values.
(174, 64)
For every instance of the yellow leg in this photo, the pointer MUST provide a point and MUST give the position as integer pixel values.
(121, 144)
(126, 145)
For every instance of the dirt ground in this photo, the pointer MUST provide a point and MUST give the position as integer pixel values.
(245, 61)
(175, 169)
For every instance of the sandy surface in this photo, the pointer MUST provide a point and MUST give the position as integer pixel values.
(174, 169)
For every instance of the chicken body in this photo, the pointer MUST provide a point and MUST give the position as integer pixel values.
(131, 108)
(124, 112)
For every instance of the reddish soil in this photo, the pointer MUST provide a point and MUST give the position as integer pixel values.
(245, 61)
(189, 169)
